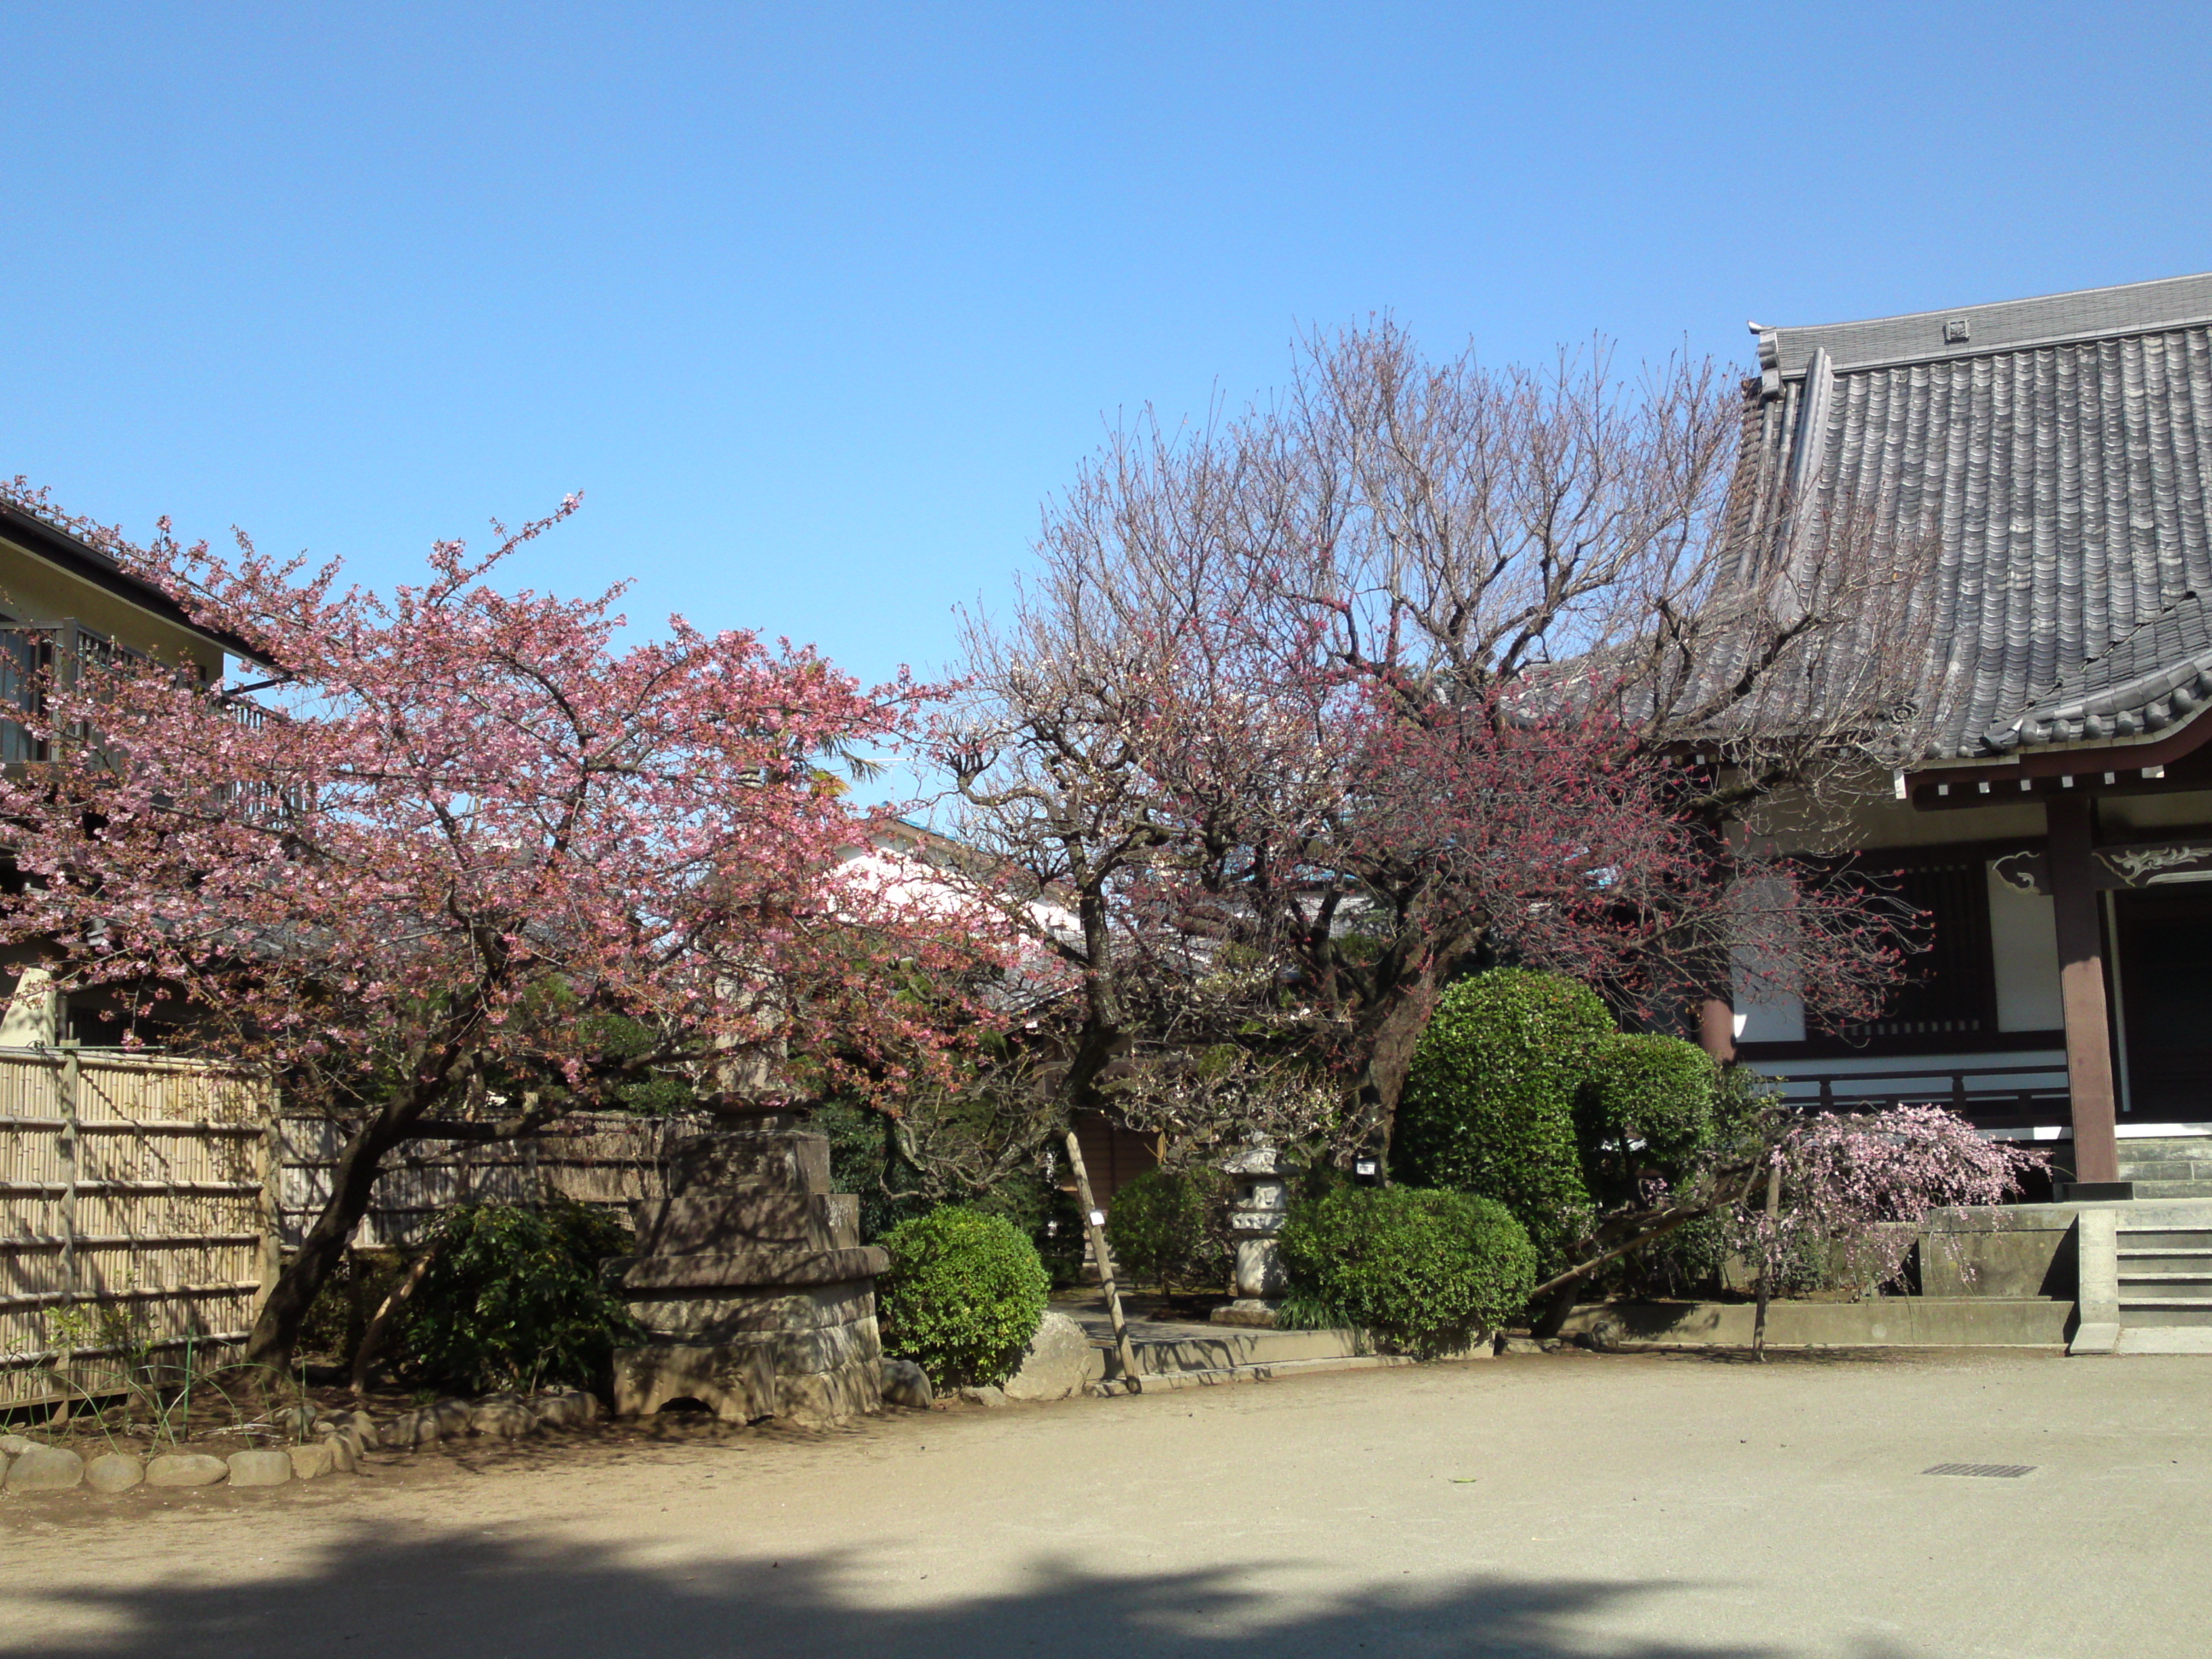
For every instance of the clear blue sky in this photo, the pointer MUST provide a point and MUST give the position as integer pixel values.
(816, 303)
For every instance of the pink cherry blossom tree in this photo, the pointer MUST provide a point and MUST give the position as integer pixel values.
(473, 864)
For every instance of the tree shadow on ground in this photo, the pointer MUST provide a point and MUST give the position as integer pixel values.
(377, 1592)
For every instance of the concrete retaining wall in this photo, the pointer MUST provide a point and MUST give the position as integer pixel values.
(1890, 1321)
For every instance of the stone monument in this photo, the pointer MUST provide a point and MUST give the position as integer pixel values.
(757, 1297)
(1263, 1204)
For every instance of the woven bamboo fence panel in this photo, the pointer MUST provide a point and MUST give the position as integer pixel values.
(600, 1158)
(135, 1196)
(143, 1203)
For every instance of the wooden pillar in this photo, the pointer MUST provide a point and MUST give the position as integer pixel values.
(1716, 1029)
(2081, 987)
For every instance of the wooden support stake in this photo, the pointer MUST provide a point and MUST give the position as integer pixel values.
(1093, 1219)
(1766, 1267)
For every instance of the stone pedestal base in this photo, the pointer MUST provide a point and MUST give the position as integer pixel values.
(739, 1383)
(757, 1295)
(1247, 1310)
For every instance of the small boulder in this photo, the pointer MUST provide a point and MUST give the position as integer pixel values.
(359, 1423)
(565, 1408)
(186, 1469)
(45, 1468)
(298, 1421)
(1060, 1362)
(312, 1459)
(452, 1416)
(345, 1452)
(502, 1420)
(409, 1429)
(113, 1472)
(260, 1469)
(988, 1394)
(15, 1445)
(906, 1384)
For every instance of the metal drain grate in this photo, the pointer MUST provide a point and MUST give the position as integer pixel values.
(1990, 1471)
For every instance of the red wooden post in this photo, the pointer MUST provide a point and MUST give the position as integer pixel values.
(2081, 989)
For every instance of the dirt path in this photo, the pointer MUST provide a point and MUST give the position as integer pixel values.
(1565, 1504)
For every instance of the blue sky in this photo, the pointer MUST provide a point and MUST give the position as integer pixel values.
(817, 303)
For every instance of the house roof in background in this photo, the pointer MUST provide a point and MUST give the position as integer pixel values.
(91, 564)
(2053, 453)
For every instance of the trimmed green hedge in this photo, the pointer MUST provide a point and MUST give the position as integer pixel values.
(513, 1298)
(1164, 1228)
(964, 1295)
(1647, 1103)
(1489, 1105)
(1425, 1270)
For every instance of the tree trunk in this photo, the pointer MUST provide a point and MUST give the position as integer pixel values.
(277, 1330)
(1387, 1036)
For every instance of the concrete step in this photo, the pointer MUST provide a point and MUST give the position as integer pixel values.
(2166, 1339)
(2135, 1262)
(2143, 1237)
(2136, 1148)
(2152, 1281)
(2172, 1189)
(2159, 1309)
(2167, 1169)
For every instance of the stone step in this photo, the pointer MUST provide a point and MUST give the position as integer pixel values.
(2165, 1310)
(2167, 1169)
(2166, 1339)
(2135, 1148)
(2152, 1281)
(2136, 1263)
(2163, 1239)
(2173, 1189)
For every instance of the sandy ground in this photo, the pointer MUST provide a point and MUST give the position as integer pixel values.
(1557, 1504)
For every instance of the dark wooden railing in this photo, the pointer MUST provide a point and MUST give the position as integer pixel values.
(1988, 1097)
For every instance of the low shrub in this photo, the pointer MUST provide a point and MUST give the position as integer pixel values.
(964, 1295)
(513, 1298)
(1489, 1105)
(1424, 1269)
(1646, 1105)
(1167, 1229)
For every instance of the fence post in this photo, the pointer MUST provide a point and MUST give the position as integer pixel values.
(271, 1155)
(70, 1146)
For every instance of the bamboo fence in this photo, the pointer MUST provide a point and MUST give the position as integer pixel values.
(146, 1204)
(135, 1198)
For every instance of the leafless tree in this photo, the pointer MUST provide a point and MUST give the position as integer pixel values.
(1421, 665)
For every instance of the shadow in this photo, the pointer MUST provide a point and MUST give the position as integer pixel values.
(460, 1597)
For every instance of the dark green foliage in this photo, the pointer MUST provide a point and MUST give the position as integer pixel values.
(864, 1161)
(1169, 1229)
(1424, 1269)
(1047, 1217)
(513, 1299)
(1489, 1106)
(1645, 1109)
(963, 1296)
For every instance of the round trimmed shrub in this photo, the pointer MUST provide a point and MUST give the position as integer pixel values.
(1164, 1229)
(964, 1295)
(1647, 1103)
(1489, 1105)
(1424, 1269)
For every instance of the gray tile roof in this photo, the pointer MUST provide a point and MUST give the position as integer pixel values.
(2053, 453)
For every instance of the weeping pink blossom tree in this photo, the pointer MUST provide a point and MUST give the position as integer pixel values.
(471, 864)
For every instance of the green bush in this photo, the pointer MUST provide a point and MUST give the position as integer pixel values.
(1166, 1228)
(513, 1298)
(1489, 1105)
(1424, 1269)
(1646, 1105)
(964, 1295)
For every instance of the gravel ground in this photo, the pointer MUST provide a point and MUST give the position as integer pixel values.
(1567, 1505)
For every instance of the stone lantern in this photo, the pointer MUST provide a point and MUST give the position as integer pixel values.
(1263, 1204)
